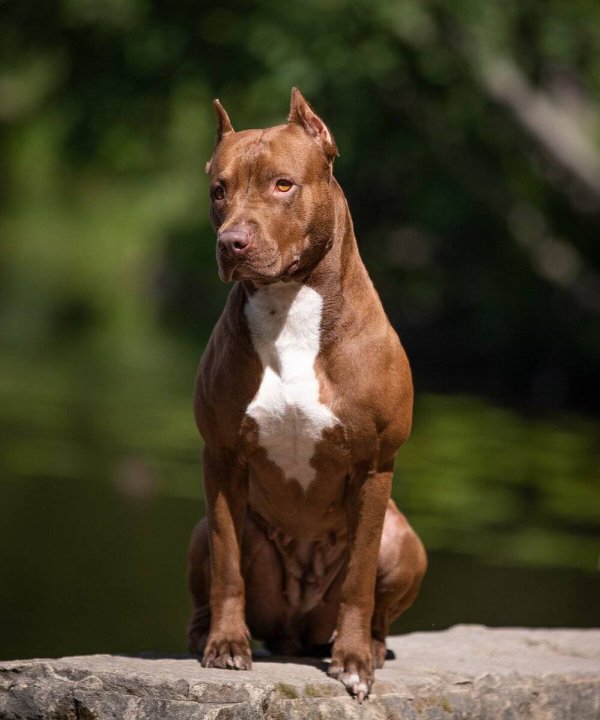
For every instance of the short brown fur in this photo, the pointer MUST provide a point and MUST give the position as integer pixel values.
(336, 559)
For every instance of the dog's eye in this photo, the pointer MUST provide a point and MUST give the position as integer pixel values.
(284, 185)
(218, 193)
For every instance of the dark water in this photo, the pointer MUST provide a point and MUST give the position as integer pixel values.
(100, 487)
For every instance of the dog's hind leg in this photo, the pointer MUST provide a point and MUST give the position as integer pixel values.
(263, 579)
(199, 585)
(400, 568)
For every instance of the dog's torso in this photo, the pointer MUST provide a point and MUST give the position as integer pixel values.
(303, 384)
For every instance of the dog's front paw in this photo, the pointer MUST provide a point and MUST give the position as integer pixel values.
(227, 652)
(354, 668)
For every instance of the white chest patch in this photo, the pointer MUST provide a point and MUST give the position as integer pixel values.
(285, 324)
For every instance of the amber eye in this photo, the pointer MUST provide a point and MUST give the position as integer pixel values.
(284, 185)
(218, 193)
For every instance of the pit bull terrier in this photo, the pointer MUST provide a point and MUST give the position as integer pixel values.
(303, 397)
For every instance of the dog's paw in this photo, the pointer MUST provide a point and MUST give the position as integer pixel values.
(354, 670)
(227, 653)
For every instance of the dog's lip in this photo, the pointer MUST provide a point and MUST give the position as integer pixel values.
(231, 269)
(239, 270)
(227, 267)
(292, 267)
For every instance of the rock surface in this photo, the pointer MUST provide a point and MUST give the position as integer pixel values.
(465, 672)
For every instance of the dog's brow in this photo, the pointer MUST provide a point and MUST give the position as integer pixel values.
(253, 149)
(251, 154)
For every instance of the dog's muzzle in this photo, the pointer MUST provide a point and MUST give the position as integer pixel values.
(233, 244)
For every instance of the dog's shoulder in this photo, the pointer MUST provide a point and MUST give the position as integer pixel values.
(228, 374)
(373, 382)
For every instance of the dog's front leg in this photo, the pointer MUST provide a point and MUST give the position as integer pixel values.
(226, 491)
(366, 498)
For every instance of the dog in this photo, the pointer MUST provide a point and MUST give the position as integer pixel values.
(303, 396)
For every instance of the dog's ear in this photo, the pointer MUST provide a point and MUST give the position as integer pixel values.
(302, 114)
(224, 126)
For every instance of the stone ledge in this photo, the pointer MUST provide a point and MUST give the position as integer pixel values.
(465, 672)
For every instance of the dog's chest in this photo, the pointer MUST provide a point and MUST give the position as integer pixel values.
(285, 325)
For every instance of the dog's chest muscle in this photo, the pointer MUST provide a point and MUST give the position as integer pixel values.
(285, 321)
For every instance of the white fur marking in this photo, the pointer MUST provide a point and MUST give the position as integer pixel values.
(285, 324)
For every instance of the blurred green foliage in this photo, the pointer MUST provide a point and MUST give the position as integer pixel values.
(470, 154)
(478, 227)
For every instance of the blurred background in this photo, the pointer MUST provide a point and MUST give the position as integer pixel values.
(470, 154)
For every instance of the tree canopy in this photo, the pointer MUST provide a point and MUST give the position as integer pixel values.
(469, 140)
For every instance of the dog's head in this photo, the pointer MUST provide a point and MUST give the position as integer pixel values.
(271, 195)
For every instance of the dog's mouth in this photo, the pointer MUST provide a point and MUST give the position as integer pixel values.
(231, 270)
(227, 269)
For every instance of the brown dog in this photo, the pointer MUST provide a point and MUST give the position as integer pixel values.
(303, 396)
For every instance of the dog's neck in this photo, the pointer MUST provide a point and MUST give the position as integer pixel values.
(337, 266)
(337, 270)
(340, 276)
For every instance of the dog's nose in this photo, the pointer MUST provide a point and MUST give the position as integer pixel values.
(235, 241)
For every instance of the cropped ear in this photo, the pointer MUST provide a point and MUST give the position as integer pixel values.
(302, 114)
(224, 126)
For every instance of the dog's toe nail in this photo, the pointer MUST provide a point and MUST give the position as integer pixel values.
(363, 691)
(230, 662)
(351, 681)
(207, 660)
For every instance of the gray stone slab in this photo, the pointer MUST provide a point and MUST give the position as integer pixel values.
(466, 672)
